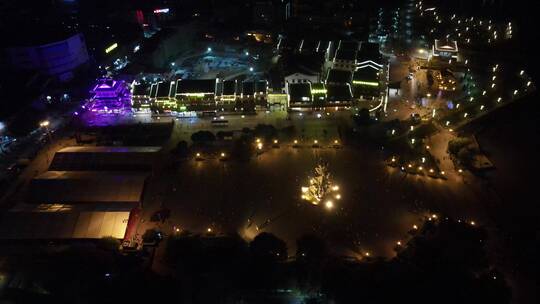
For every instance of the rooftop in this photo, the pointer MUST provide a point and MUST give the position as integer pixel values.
(59, 221)
(72, 187)
(366, 74)
(344, 54)
(348, 45)
(446, 45)
(104, 158)
(186, 86)
(109, 149)
(141, 88)
(162, 89)
(229, 87)
(339, 92)
(299, 92)
(261, 86)
(248, 87)
(369, 51)
(338, 76)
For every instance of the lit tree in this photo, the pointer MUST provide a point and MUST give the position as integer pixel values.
(320, 187)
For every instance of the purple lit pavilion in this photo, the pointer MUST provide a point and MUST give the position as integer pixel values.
(110, 97)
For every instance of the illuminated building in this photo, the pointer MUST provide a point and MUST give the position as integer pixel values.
(338, 77)
(248, 91)
(445, 49)
(261, 90)
(344, 60)
(140, 95)
(196, 91)
(110, 97)
(318, 94)
(260, 36)
(366, 82)
(227, 91)
(163, 95)
(339, 95)
(301, 77)
(345, 55)
(369, 54)
(299, 95)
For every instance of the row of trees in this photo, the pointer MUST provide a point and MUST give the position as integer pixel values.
(241, 147)
(444, 262)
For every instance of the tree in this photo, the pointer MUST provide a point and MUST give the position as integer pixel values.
(362, 118)
(242, 149)
(268, 132)
(181, 149)
(203, 137)
(310, 248)
(320, 185)
(109, 243)
(266, 247)
(456, 144)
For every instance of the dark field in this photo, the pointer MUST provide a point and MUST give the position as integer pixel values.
(379, 205)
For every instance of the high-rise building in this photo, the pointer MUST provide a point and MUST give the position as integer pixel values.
(57, 57)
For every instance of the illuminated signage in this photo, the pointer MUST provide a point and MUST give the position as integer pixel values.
(161, 11)
(111, 48)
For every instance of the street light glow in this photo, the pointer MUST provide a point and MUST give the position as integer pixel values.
(329, 204)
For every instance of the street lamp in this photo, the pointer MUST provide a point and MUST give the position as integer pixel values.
(329, 205)
(45, 124)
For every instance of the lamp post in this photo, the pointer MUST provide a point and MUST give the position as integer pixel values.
(45, 124)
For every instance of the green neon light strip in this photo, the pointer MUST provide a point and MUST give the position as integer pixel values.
(317, 91)
(368, 83)
(110, 48)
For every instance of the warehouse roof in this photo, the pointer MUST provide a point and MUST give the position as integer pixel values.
(72, 187)
(105, 158)
(58, 221)
(109, 149)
